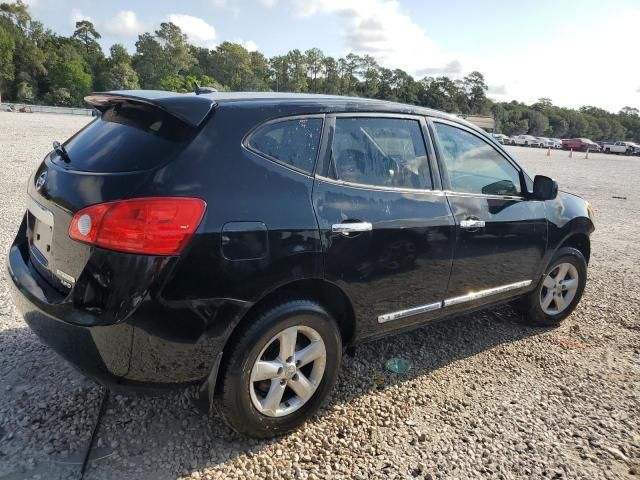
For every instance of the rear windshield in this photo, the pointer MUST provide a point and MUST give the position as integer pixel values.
(127, 137)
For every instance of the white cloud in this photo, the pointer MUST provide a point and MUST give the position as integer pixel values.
(124, 24)
(77, 16)
(250, 45)
(198, 31)
(219, 3)
(379, 28)
(269, 3)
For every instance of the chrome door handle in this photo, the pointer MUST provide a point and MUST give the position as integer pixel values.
(347, 228)
(471, 223)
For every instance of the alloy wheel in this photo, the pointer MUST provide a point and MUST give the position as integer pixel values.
(287, 371)
(559, 289)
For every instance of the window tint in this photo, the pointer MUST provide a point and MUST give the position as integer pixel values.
(474, 166)
(294, 142)
(125, 138)
(386, 152)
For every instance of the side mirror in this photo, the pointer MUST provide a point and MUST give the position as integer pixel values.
(544, 188)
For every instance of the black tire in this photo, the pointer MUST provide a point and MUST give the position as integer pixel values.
(233, 400)
(530, 305)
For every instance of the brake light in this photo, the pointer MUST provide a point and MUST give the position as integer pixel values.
(152, 226)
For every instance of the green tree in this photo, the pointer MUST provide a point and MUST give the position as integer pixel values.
(68, 70)
(7, 69)
(88, 36)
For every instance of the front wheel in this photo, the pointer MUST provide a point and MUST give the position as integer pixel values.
(280, 369)
(559, 292)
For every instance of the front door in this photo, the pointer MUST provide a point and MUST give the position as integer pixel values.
(501, 234)
(386, 226)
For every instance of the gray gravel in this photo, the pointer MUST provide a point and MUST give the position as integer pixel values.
(486, 397)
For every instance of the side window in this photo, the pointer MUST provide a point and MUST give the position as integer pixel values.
(294, 142)
(386, 152)
(474, 166)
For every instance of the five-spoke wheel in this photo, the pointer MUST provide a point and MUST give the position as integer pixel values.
(288, 371)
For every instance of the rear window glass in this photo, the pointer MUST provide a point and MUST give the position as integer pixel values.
(127, 137)
(294, 142)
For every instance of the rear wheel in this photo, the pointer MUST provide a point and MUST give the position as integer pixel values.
(560, 290)
(279, 369)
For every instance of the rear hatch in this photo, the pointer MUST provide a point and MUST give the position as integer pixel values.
(110, 159)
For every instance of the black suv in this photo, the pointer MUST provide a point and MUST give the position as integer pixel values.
(240, 241)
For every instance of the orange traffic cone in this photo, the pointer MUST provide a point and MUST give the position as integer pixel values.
(586, 155)
(549, 152)
(571, 153)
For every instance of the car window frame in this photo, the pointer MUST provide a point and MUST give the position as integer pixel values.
(246, 140)
(324, 165)
(522, 175)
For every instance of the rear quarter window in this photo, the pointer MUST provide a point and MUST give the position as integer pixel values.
(293, 142)
(126, 138)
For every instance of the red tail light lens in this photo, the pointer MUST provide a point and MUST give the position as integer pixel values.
(152, 226)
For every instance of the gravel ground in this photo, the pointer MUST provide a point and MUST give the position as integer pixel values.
(486, 397)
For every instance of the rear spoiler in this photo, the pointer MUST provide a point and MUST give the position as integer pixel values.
(189, 108)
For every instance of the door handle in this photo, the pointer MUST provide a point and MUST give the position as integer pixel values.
(355, 227)
(471, 224)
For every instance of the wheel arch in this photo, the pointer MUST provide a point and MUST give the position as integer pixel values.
(578, 240)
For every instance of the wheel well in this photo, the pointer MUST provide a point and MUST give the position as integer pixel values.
(324, 293)
(579, 241)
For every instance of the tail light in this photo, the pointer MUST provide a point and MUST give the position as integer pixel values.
(152, 226)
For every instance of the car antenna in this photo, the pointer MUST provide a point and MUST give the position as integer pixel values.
(200, 90)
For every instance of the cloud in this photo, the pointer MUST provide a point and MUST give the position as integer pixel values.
(219, 3)
(451, 69)
(497, 89)
(199, 32)
(77, 16)
(250, 45)
(124, 24)
(378, 28)
(269, 3)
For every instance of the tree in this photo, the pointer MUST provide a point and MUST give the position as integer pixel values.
(475, 88)
(7, 47)
(88, 36)
(68, 70)
(314, 61)
(538, 123)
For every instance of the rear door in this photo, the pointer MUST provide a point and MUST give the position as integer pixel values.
(501, 234)
(386, 227)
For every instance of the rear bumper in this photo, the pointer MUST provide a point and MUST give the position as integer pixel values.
(152, 346)
(100, 352)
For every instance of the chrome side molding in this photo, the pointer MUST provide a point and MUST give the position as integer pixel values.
(485, 293)
(389, 317)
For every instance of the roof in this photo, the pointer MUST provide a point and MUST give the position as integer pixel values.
(193, 109)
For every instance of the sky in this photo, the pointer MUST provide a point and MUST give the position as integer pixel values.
(576, 52)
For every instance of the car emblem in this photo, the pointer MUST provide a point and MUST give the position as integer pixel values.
(41, 179)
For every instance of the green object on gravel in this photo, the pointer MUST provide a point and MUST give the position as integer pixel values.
(397, 365)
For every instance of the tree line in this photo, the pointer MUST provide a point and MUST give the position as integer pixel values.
(39, 66)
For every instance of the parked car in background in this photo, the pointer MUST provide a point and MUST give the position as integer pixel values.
(636, 152)
(621, 147)
(502, 138)
(550, 142)
(527, 141)
(582, 144)
(240, 241)
(603, 144)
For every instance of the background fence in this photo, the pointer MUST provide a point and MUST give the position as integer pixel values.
(19, 107)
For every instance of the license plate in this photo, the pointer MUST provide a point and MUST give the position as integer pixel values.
(42, 231)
